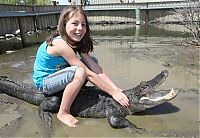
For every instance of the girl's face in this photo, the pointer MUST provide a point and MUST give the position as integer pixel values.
(76, 27)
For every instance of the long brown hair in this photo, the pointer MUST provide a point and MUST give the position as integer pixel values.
(86, 44)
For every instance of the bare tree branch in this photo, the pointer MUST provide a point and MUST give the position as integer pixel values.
(190, 18)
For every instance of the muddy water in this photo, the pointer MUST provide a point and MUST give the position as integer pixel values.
(127, 63)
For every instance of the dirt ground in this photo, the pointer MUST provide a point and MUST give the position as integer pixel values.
(179, 118)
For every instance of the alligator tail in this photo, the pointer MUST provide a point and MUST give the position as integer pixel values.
(20, 91)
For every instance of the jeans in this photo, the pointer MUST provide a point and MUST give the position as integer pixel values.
(58, 80)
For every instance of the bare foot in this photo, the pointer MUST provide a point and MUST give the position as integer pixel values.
(67, 119)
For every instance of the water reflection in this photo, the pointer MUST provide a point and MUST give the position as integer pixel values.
(135, 31)
(132, 29)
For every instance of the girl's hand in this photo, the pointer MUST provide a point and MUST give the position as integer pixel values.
(121, 98)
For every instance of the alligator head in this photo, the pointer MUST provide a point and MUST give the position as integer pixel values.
(145, 95)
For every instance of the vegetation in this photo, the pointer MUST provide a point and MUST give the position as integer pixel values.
(26, 2)
(190, 18)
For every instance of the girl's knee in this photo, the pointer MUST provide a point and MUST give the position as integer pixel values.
(80, 73)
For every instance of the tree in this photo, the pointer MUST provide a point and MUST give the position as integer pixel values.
(26, 2)
(190, 18)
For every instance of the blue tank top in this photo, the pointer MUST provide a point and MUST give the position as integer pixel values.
(46, 64)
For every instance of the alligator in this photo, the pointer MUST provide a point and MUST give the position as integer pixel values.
(92, 102)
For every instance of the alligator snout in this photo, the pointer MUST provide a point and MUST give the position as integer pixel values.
(159, 79)
(147, 87)
(165, 73)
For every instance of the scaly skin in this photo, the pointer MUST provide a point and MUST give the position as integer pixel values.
(92, 102)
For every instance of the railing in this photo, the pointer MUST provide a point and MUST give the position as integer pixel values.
(13, 10)
(142, 6)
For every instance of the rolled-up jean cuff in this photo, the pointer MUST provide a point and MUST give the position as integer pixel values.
(58, 80)
(95, 59)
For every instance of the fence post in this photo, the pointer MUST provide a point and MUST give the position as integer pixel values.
(137, 33)
(137, 16)
(146, 15)
(22, 32)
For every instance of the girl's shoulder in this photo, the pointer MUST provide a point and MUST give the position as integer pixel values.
(58, 37)
(56, 47)
(58, 41)
(60, 46)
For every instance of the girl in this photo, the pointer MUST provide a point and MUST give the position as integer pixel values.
(58, 67)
